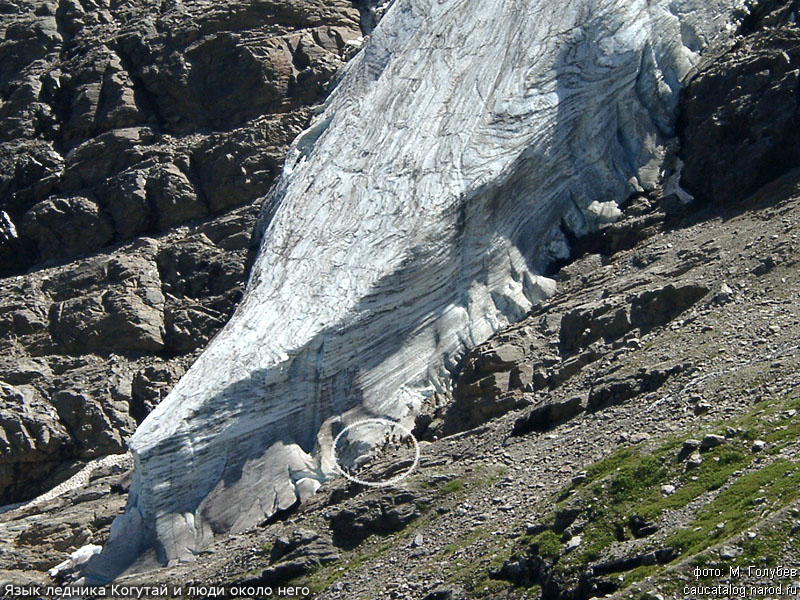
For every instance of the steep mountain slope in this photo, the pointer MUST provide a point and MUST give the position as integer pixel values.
(437, 196)
(652, 402)
(137, 140)
(661, 385)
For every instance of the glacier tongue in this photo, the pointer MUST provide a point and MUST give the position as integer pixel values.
(411, 222)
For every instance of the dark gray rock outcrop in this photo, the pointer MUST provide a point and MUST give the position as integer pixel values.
(504, 374)
(360, 518)
(291, 556)
(740, 122)
(136, 140)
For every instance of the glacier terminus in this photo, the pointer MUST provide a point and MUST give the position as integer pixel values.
(413, 219)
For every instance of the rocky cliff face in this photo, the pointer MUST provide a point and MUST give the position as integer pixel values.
(136, 139)
(661, 385)
(440, 195)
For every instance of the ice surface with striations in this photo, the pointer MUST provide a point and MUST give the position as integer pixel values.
(413, 219)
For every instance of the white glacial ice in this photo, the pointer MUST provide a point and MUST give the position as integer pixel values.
(412, 221)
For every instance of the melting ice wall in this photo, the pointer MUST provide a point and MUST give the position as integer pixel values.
(410, 224)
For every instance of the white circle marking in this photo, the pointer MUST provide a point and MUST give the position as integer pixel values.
(391, 481)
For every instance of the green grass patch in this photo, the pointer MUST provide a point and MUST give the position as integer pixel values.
(323, 577)
(636, 477)
(773, 543)
(450, 548)
(452, 486)
(711, 475)
(628, 483)
(609, 465)
(639, 573)
(768, 545)
(734, 507)
(547, 543)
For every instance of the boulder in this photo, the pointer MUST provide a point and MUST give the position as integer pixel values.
(711, 441)
(303, 551)
(488, 398)
(739, 118)
(655, 308)
(66, 227)
(173, 196)
(126, 314)
(125, 197)
(96, 159)
(93, 401)
(33, 441)
(191, 328)
(688, 447)
(641, 527)
(195, 267)
(29, 171)
(116, 320)
(627, 563)
(695, 460)
(586, 324)
(26, 40)
(501, 358)
(549, 414)
(363, 517)
(619, 387)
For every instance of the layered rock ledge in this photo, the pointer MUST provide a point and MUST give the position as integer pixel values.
(137, 140)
